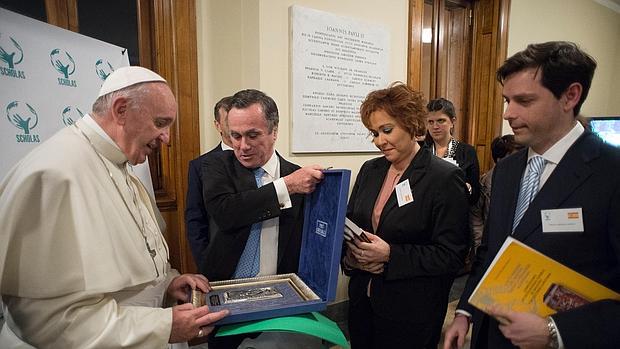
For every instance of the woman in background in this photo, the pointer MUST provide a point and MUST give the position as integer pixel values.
(500, 148)
(413, 207)
(440, 124)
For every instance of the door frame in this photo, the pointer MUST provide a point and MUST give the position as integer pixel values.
(489, 45)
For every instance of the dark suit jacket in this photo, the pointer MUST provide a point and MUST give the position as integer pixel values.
(234, 203)
(467, 159)
(196, 221)
(428, 238)
(588, 176)
(465, 156)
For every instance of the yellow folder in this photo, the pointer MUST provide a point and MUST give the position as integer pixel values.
(523, 279)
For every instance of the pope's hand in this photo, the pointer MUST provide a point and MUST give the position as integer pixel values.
(182, 285)
(189, 322)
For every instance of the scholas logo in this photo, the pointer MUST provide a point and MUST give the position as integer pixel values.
(10, 55)
(24, 117)
(103, 69)
(70, 115)
(65, 65)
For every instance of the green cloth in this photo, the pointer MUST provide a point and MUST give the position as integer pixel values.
(313, 324)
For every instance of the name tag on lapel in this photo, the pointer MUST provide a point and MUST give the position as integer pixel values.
(403, 193)
(562, 220)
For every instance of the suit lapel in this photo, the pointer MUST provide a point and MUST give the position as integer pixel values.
(286, 168)
(569, 174)
(245, 175)
(414, 173)
(287, 217)
(376, 175)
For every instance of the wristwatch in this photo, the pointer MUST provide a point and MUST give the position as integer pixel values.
(553, 334)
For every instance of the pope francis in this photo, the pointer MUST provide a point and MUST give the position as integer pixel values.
(83, 261)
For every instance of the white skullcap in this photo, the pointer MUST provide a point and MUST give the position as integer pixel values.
(127, 76)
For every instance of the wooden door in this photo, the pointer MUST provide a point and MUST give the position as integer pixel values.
(490, 40)
(446, 51)
(458, 62)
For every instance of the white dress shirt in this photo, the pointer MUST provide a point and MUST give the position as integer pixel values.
(270, 229)
(553, 156)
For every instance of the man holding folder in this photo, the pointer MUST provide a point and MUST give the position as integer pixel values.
(563, 167)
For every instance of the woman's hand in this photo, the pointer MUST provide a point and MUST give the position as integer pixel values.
(351, 262)
(375, 251)
(373, 268)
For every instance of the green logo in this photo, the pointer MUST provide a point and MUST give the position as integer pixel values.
(11, 54)
(65, 65)
(24, 117)
(70, 115)
(103, 69)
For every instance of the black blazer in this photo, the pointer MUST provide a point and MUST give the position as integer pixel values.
(428, 237)
(588, 176)
(234, 203)
(196, 220)
(466, 158)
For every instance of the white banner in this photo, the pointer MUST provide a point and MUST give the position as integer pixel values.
(336, 61)
(49, 78)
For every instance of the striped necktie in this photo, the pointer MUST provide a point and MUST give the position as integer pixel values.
(249, 262)
(529, 187)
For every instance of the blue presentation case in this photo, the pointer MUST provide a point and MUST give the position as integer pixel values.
(315, 283)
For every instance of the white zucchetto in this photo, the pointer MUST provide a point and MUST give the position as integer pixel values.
(127, 76)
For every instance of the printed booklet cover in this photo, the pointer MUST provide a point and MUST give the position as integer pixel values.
(523, 279)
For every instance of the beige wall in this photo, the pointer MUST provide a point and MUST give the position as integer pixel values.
(594, 27)
(245, 44)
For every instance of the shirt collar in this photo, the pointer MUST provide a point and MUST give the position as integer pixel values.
(557, 151)
(271, 166)
(225, 146)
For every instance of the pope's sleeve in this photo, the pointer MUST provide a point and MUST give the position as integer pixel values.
(88, 321)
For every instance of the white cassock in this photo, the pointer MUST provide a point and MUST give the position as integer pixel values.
(74, 264)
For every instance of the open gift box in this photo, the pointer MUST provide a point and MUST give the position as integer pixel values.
(315, 283)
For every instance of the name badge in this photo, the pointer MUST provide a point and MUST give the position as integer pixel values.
(562, 220)
(403, 193)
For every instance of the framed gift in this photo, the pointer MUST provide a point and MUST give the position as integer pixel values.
(315, 283)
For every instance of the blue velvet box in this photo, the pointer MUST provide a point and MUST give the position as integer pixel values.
(315, 283)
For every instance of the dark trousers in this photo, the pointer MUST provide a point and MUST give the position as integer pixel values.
(490, 337)
(369, 330)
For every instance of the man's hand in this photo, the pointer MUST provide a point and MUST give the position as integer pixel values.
(181, 285)
(304, 180)
(525, 330)
(188, 323)
(455, 334)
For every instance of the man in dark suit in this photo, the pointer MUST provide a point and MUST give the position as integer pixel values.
(544, 87)
(196, 221)
(254, 197)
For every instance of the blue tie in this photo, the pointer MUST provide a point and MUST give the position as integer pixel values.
(249, 262)
(529, 187)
